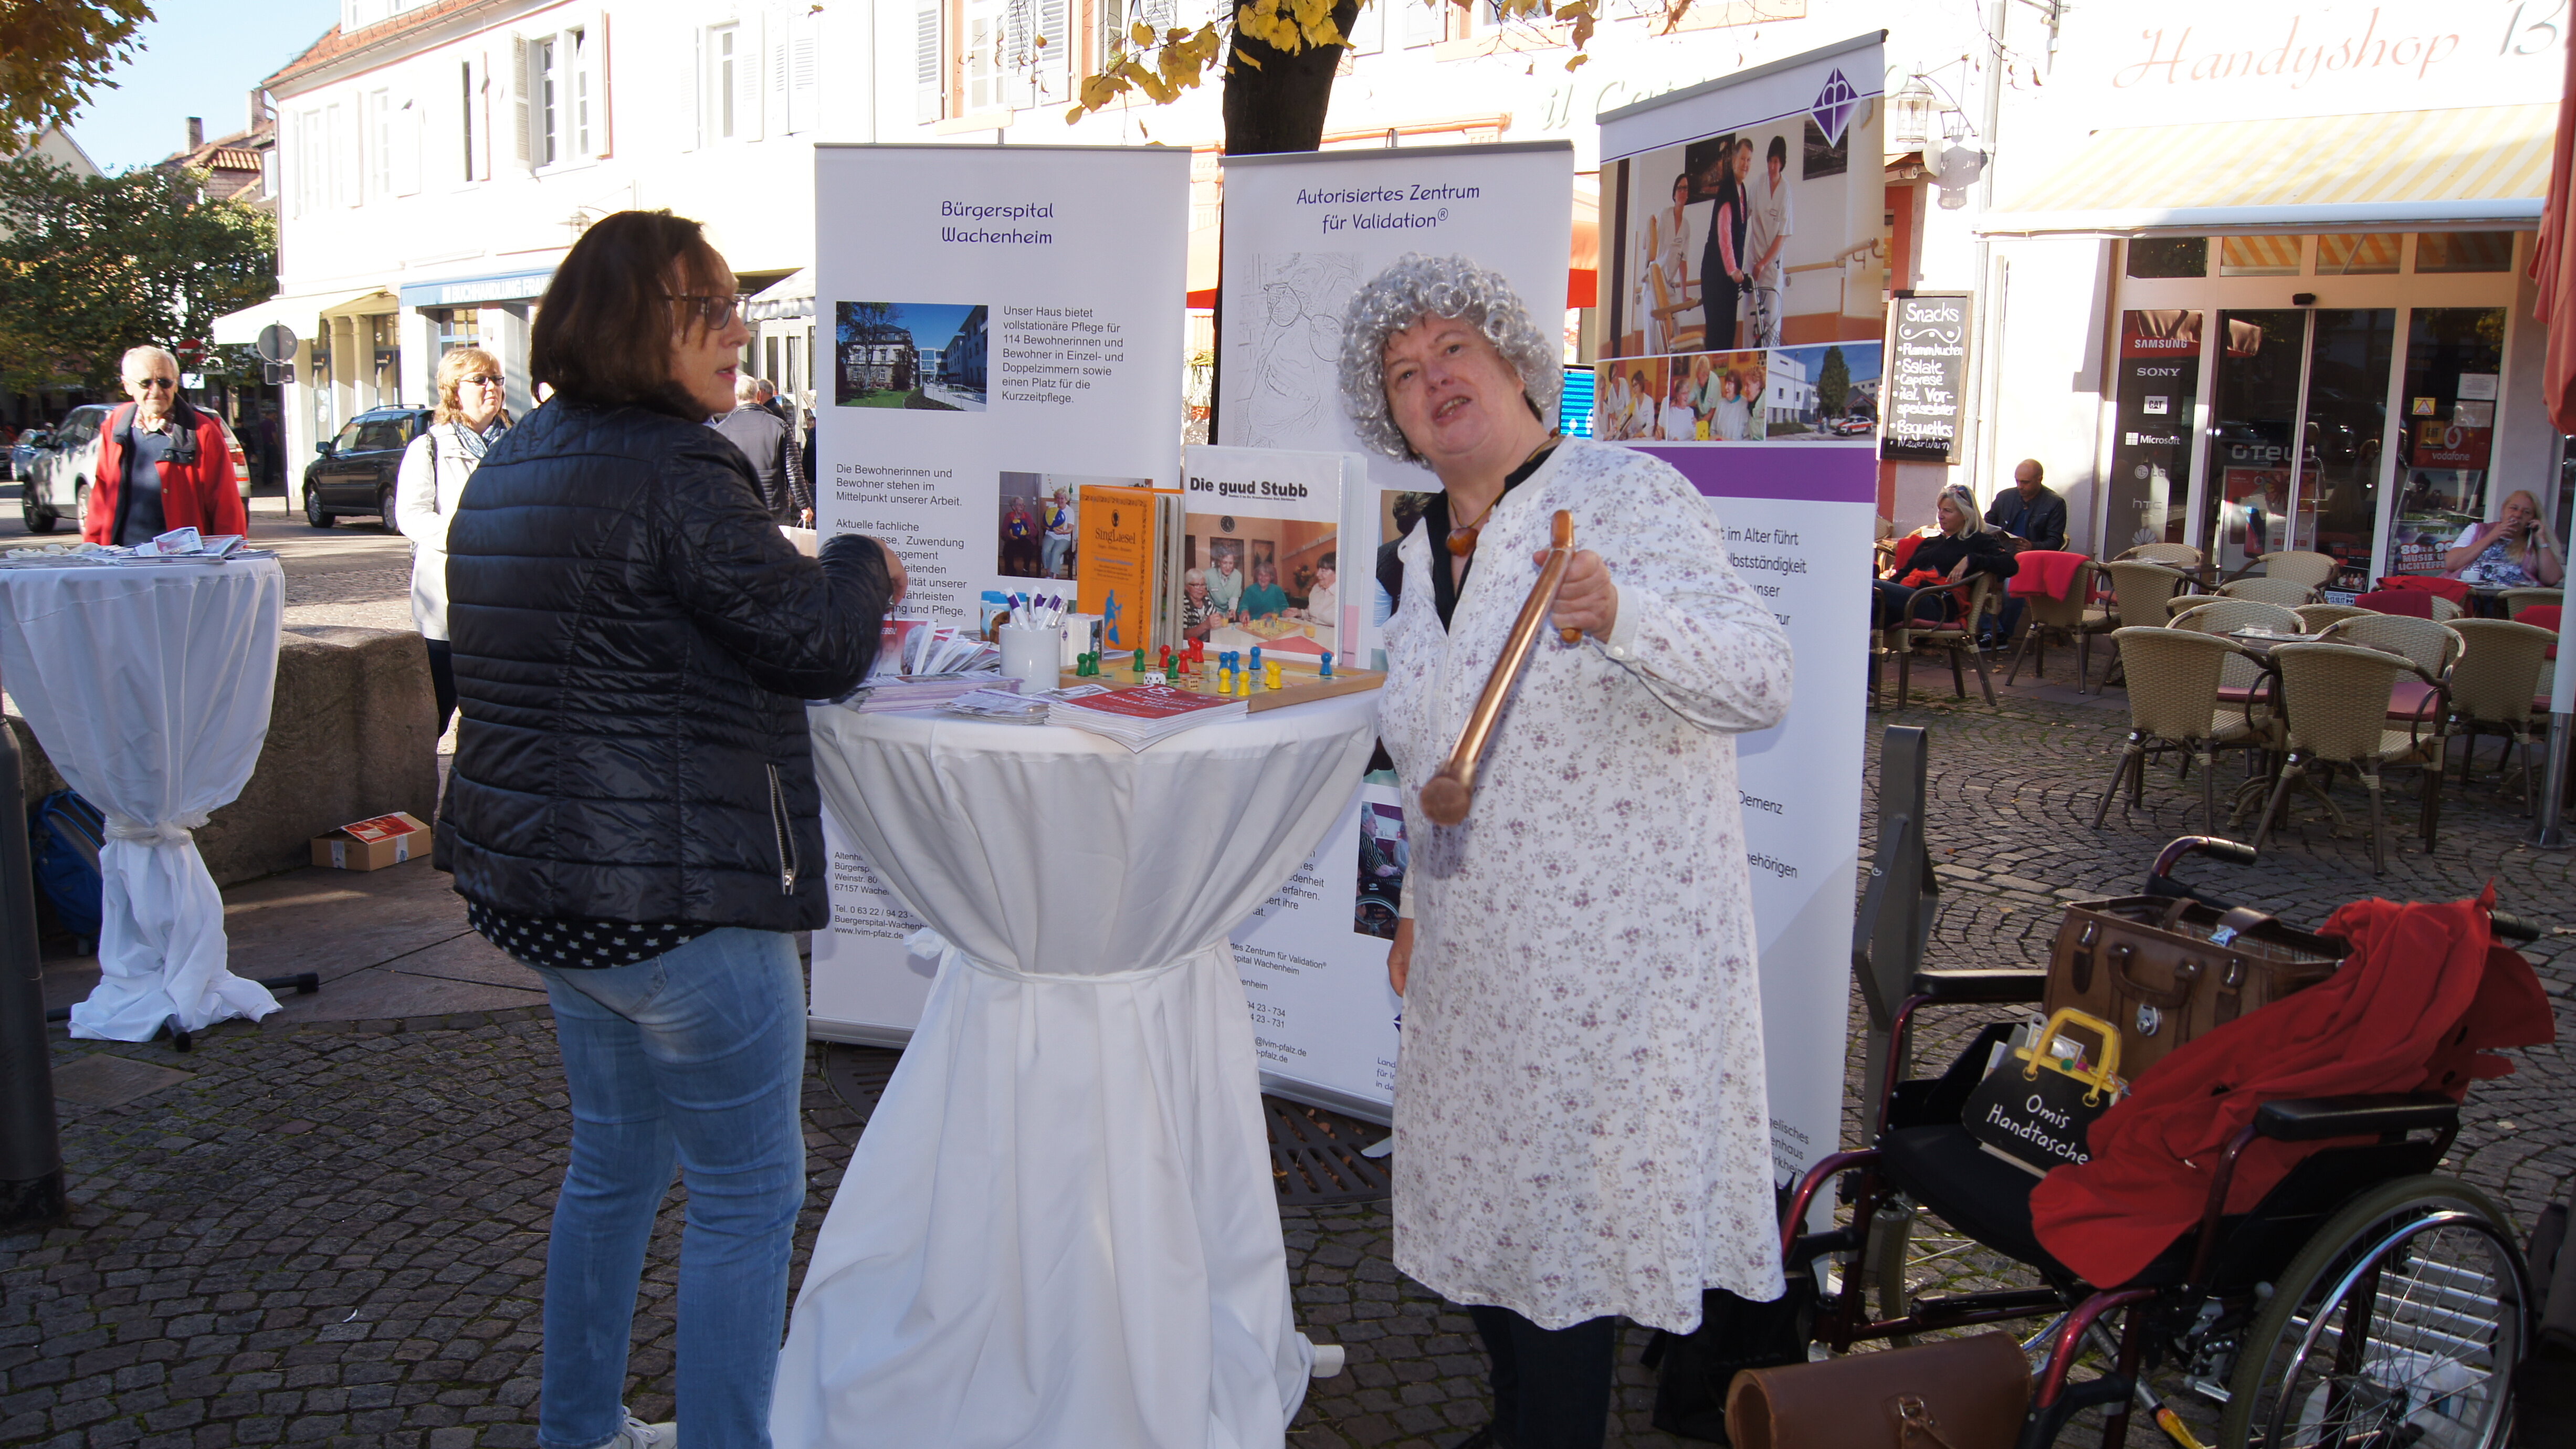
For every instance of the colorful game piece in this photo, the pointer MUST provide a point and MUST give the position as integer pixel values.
(1270, 675)
(1256, 659)
(1327, 671)
(1140, 661)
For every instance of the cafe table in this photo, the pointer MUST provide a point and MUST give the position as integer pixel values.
(1060, 1230)
(148, 684)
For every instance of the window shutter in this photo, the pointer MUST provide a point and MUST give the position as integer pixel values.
(1054, 59)
(1368, 33)
(522, 88)
(925, 61)
(698, 87)
(804, 71)
(1019, 51)
(594, 72)
(407, 140)
(751, 47)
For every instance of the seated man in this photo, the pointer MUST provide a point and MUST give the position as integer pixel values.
(2032, 515)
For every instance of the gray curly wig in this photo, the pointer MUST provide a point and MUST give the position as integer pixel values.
(1441, 287)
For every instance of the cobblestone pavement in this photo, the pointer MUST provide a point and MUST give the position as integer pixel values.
(336, 1236)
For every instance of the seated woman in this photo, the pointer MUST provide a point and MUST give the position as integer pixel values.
(1264, 598)
(1944, 553)
(2514, 552)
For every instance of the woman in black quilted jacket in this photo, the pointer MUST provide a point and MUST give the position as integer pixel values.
(633, 810)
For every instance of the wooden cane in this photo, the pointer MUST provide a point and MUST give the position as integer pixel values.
(1447, 795)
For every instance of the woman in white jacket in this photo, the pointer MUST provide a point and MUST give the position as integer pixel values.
(434, 469)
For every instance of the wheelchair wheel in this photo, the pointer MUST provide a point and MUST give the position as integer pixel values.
(2400, 1323)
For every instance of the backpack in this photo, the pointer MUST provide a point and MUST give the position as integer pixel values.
(64, 833)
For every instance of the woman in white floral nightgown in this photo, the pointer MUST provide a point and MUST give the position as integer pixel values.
(1580, 1122)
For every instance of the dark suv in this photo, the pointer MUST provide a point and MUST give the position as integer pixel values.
(355, 474)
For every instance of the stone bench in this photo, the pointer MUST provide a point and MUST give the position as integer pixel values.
(351, 734)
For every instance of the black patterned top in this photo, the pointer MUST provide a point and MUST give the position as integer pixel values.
(579, 945)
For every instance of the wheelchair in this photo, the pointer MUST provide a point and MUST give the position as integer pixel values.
(2365, 1301)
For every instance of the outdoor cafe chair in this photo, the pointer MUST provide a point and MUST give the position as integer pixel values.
(2074, 619)
(2300, 566)
(2224, 616)
(2313, 617)
(2334, 703)
(2433, 648)
(1956, 637)
(2178, 555)
(2288, 593)
(2517, 600)
(2173, 701)
(2492, 687)
(2414, 603)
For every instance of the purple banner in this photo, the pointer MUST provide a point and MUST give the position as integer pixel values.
(1799, 472)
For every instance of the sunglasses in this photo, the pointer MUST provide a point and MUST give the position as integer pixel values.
(481, 379)
(713, 312)
(148, 383)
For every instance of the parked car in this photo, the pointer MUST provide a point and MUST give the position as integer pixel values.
(355, 473)
(55, 481)
(22, 453)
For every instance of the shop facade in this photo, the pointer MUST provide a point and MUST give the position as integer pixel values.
(2284, 249)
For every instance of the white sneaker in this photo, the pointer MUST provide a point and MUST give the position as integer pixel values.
(639, 1435)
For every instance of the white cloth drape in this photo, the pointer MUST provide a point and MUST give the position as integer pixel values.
(1060, 1231)
(149, 687)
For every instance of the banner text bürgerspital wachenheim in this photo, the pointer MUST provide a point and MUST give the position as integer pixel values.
(986, 236)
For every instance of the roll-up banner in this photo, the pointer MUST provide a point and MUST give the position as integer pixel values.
(1302, 232)
(1005, 326)
(1742, 324)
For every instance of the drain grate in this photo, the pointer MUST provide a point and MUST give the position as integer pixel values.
(858, 1074)
(1315, 1156)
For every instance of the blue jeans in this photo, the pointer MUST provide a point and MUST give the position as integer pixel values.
(696, 1056)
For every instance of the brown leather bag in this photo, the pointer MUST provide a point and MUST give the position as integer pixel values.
(2166, 971)
(1958, 1393)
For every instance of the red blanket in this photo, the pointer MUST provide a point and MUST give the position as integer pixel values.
(2455, 590)
(2045, 573)
(2424, 996)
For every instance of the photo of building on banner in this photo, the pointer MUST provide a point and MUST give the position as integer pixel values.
(1744, 270)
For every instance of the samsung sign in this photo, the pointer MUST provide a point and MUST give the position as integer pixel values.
(477, 291)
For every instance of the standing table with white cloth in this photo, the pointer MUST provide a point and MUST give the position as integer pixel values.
(149, 686)
(1060, 1229)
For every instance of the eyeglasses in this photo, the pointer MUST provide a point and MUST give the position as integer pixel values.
(715, 312)
(148, 383)
(481, 379)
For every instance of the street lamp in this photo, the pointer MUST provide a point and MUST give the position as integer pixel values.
(1910, 113)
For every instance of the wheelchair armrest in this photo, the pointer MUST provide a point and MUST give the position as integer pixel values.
(2311, 1119)
(1979, 988)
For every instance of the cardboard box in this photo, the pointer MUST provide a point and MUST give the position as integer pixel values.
(372, 844)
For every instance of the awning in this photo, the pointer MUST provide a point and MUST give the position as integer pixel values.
(299, 311)
(2477, 166)
(789, 297)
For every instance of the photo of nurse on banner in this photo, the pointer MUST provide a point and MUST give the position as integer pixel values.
(1757, 237)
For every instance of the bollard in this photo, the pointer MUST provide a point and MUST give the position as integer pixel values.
(31, 1153)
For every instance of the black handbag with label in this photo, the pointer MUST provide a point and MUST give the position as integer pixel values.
(2033, 1109)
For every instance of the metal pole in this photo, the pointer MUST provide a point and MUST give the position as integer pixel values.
(2548, 833)
(31, 1153)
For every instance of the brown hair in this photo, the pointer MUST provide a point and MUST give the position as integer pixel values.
(452, 370)
(606, 325)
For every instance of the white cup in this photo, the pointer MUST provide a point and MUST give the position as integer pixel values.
(1029, 655)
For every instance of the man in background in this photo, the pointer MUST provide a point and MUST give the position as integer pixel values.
(785, 411)
(2029, 515)
(764, 438)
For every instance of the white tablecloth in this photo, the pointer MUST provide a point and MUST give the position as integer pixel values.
(1060, 1230)
(149, 685)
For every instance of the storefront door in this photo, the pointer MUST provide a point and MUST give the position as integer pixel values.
(2454, 356)
(2299, 413)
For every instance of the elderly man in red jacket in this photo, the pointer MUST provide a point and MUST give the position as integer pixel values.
(161, 463)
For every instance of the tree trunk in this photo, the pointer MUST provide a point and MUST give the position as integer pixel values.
(1279, 103)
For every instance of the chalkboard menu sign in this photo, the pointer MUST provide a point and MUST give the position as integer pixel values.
(1927, 377)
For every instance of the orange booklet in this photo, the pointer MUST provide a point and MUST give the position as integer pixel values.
(1121, 554)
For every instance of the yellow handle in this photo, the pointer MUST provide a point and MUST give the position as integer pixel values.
(2101, 1075)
